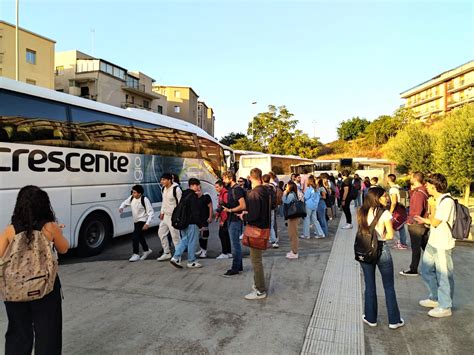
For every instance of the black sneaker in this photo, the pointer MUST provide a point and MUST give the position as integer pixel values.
(408, 273)
(230, 273)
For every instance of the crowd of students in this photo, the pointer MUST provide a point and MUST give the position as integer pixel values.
(429, 221)
(247, 201)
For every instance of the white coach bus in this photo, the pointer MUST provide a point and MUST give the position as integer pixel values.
(87, 156)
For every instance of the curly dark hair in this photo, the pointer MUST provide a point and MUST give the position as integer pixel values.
(32, 207)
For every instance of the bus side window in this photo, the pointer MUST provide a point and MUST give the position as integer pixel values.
(100, 131)
(153, 139)
(29, 119)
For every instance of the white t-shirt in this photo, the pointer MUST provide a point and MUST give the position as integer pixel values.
(440, 236)
(380, 226)
(395, 190)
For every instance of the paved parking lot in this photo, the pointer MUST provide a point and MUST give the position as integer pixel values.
(112, 306)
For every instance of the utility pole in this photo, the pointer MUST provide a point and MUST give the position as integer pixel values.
(17, 43)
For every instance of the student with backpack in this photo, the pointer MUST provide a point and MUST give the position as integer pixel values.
(311, 199)
(437, 264)
(33, 308)
(373, 219)
(347, 195)
(205, 216)
(322, 207)
(171, 195)
(142, 213)
(187, 220)
(398, 211)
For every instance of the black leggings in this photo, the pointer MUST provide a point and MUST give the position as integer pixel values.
(225, 239)
(138, 237)
(203, 237)
(39, 320)
(347, 211)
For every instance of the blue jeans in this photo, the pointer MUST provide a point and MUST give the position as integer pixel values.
(358, 200)
(273, 236)
(321, 212)
(437, 271)
(189, 240)
(235, 230)
(311, 217)
(385, 265)
(403, 235)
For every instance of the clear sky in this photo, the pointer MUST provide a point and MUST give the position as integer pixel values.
(327, 61)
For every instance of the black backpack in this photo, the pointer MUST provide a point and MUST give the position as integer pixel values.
(366, 244)
(174, 192)
(462, 220)
(182, 214)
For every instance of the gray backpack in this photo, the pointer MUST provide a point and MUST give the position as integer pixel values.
(28, 270)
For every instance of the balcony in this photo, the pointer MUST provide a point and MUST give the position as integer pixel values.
(423, 101)
(126, 105)
(454, 103)
(462, 85)
(139, 89)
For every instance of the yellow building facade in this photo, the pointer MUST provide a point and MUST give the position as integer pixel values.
(442, 93)
(182, 102)
(36, 56)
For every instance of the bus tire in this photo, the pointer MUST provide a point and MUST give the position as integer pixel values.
(94, 234)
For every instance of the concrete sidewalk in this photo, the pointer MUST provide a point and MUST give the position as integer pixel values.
(423, 334)
(112, 306)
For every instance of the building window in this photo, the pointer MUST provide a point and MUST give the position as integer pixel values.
(160, 109)
(177, 94)
(60, 70)
(31, 82)
(31, 56)
(146, 104)
(177, 109)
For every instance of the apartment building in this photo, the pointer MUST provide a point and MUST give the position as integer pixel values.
(182, 102)
(210, 121)
(202, 115)
(36, 56)
(80, 74)
(445, 92)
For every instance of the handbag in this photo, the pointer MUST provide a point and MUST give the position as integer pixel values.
(255, 237)
(295, 209)
(399, 216)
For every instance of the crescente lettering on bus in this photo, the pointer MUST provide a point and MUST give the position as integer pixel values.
(73, 162)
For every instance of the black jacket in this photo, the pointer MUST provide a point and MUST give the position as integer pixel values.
(258, 203)
(191, 199)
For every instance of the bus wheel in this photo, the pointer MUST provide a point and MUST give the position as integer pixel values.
(95, 231)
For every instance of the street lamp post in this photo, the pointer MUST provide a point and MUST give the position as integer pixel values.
(17, 45)
(253, 131)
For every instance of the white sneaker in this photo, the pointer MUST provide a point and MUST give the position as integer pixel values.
(134, 257)
(145, 254)
(230, 255)
(398, 325)
(428, 303)
(255, 295)
(439, 312)
(275, 245)
(320, 236)
(304, 237)
(198, 252)
(367, 322)
(222, 256)
(347, 226)
(193, 265)
(203, 254)
(291, 255)
(241, 236)
(164, 257)
(176, 262)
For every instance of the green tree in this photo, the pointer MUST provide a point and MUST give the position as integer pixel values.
(275, 132)
(454, 151)
(232, 138)
(411, 149)
(383, 128)
(246, 143)
(352, 128)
